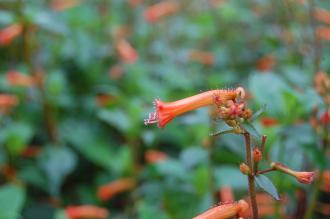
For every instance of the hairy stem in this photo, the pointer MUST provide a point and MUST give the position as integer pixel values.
(252, 191)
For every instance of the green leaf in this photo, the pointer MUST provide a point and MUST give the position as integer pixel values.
(115, 118)
(251, 129)
(267, 185)
(12, 198)
(17, 136)
(230, 176)
(60, 214)
(57, 162)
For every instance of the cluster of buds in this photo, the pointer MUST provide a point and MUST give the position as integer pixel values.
(232, 110)
(322, 85)
(229, 104)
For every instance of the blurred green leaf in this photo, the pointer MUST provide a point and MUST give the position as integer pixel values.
(230, 176)
(12, 198)
(267, 185)
(57, 162)
(17, 135)
(116, 118)
(150, 210)
(268, 93)
(252, 130)
(257, 114)
(60, 214)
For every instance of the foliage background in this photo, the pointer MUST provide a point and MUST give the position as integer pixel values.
(83, 144)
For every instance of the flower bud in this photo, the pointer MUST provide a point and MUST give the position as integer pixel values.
(244, 169)
(302, 177)
(257, 155)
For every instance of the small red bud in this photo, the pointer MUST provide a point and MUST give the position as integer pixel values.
(257, 155)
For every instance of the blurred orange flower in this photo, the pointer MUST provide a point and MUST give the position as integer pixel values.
(31, 151)
(216, 3)
(202, 57)
(16, 78)
(160, 10)
(116, 72)
(8, 34)
(323, 33)
(86, 211)
(154, 156)
(135, 3)
(325, 117)
(226, 195)
(266, 63)
(323, 209)
(225, 211)
(60, 5)
(266, 205)
(107, 191)
(105, 99)
(268, 122)
(326, 181)
(322, 15)
(126, 52)
(8, 171)
(7, 101)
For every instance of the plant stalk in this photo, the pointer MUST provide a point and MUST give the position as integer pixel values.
(251, 182)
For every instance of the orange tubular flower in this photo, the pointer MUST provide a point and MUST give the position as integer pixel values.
(165, 112)
(159, 10)
(86, 211)
(225, 211)
(9, 33)
(302, 177)
(107, 191)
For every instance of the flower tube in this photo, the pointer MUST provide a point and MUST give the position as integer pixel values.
(166, 111)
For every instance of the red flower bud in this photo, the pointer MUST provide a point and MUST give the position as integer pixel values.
(257, 156)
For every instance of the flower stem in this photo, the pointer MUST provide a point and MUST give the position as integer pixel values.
(265, 171)
(252, 191)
